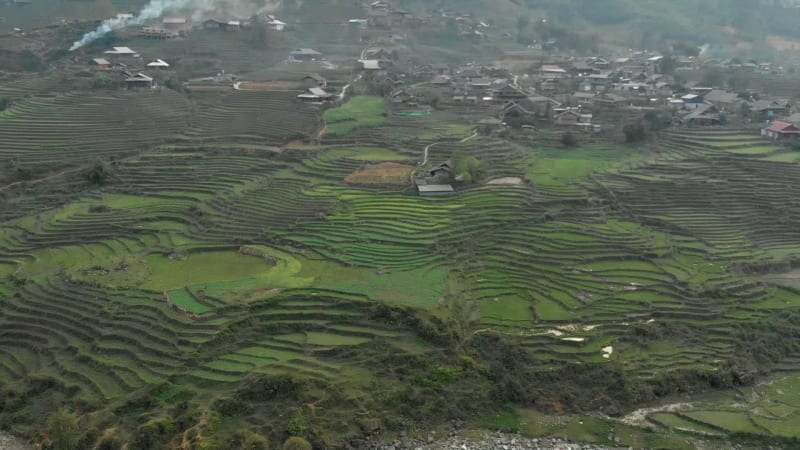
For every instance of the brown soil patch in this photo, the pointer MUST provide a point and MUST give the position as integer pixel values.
(385, 174)
(270, 85)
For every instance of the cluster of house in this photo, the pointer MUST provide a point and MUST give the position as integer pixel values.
(127, 62)
(382, 15)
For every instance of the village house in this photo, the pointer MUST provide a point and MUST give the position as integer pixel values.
(370, 65)
(304, 54)
(703, 116)
(158, 33)
(314, 80)
(221, 25)
(315, 95)
(436, 182)
(596, 82)
(723, 99)
(573, 117)
(158, 64)
(100, 64)
(273, 24)
(781, 131)
(553, 72)
(768, 109)
(176, 24)
(693, 101)
(794, 119)
(140, 81)
(122, 52)
(609, 100)
(509, 93)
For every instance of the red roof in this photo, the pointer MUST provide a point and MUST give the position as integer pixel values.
(782, 127)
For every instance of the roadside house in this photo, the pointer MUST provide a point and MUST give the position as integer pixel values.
(158, 64)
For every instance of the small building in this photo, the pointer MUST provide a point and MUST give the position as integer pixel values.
(723, 99)
(222, 25)
(509, 93)
(276, 25)
(176, 24)
(370, 64)
(315, 95)
(314, 80)
(781, 131)
(573, 117)
(304, 54)
(435, 190)
(609, 100)
(553, 72)
(140, 81)
(703, 116)
(768, 109)
(121, 51)
(693, 101)
(100, 64)
(158, 64)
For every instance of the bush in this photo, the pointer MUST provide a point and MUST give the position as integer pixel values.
(569, 140)
(296, 443)
(63, 430)
(253, 441)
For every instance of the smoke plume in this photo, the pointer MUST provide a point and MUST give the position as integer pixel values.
(197, 10)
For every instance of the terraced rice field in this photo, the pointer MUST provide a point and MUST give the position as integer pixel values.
(629, 257)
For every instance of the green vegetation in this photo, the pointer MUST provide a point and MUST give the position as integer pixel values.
(358, 112)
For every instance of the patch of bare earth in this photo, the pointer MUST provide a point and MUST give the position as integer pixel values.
(506, 181)
(385, 174)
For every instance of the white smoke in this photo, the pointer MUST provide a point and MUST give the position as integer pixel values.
(200, 9)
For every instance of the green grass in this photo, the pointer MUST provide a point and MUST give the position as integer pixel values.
(360, 111)
(202, 268)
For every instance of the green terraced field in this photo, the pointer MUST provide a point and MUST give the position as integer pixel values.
(219, 275)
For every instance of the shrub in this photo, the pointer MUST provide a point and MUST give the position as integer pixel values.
(253, 441)
(63, 430)
(296, 443)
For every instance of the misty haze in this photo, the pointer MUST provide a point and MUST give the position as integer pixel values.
(399, 224)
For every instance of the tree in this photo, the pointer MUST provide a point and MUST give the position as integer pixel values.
(63, 430)
(568, 139)
(464, 312)
(635, 132)
(296, 443)
(99, 173)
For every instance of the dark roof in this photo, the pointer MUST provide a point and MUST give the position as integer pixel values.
(305, 51)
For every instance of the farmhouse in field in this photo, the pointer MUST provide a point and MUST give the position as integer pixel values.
(140, 81)
(304, 54)
(315, 95)
(100, 64)
(781, 131)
